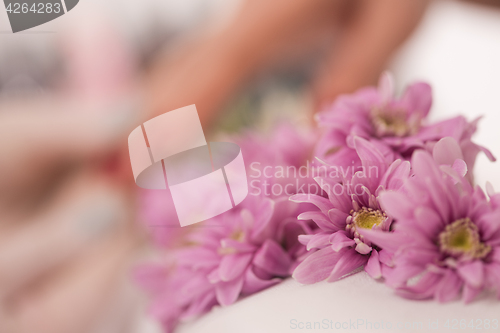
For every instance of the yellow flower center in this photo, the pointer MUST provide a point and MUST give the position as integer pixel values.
(461, 239)
(238, 235)
(390, 123)
(367, 218)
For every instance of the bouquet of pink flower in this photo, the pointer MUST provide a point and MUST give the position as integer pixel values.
(393, 195)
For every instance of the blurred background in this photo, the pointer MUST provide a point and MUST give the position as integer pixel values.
(72, 89)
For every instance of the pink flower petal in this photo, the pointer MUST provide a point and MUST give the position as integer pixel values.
(419, 256)
(385, 257)
(389, 241)
(339, 240)
(373, 265)
(418, 98)
(488, 153)
(265, 208)
(469, 293)
(429, 222)
(370, 156)
(396, 205)
(151, 277)
(472, 273)
(304, 239)
(495, 254)
(227, 292)
(240, 247)
(362, 248)
(454, 127)
(337, 218)
(199, 306)
(318, 241)
(460, 167)
(336, 195)
(233, 265)
(322, 203)
(317, 266)
(254, 284)
(214, 276)
(320, 219)
(401, 274)
(272, 258)
(197, 257)
(488, 224)
(386, 87)
(427, 171)
(348, 262)
(446, 151)
(195, 285)
(449, 287)
(424, 166)
(424, 289)
(396, 175)
(492, 271)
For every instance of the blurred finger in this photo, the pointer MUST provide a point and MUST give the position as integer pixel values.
(85, 211)
(36, 139)
(78, 296)
(47, 128)
(371, 34)
(216, 66)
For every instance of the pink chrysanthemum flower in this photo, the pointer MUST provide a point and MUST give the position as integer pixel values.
(395, 126)
(273, 161)
(447, 235)
(338, 248)
(287, 147)
(235, 254)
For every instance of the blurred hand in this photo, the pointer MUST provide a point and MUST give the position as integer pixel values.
(208, 70)
(66, 223)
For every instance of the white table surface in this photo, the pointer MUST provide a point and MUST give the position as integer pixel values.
(353, 302)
